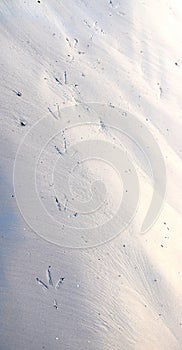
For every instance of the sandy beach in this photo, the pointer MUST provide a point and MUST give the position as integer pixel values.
(90, 160)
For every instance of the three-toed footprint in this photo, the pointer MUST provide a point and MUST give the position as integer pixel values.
(50, 284)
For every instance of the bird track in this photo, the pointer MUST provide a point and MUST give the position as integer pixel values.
(50, 285)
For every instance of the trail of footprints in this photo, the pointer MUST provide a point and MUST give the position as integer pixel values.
(50, 284)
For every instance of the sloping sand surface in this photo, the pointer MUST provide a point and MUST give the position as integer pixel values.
(90, 137)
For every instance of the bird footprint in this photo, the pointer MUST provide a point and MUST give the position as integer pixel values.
(50, 284)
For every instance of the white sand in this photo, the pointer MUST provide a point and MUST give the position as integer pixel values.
(125, 294)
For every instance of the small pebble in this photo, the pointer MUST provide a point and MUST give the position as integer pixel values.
(22, 123)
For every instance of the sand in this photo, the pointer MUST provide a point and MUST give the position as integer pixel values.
(90, 162)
